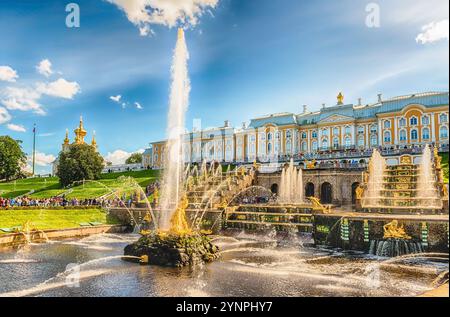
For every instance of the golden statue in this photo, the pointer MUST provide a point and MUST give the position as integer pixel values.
(340, 99)
(318, 205)
(311, 164)
(155, 195)
(359, 192)
(178, 222)
(392, 230)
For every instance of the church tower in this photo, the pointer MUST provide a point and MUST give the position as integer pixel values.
(80, 133)
(66, 144)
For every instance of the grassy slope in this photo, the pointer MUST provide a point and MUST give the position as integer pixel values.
(445, 166)
(52, 219)
(49, 187)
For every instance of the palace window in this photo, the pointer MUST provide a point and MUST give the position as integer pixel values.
(336, 143)
(373, 129)
(269, 136)
(443, 132)
(373, 140)
(325, 144)
(387, 137)
(304, 147)
(304, 135)
(361, 141)
(413, 121)
(348, 142)
(325, 132)
(348, 130)
(425, 120)
(387, 124)
(314, 146)
(360, 130)
(288, 146)
(426, 134)
(288, 134)
(336, 131)
(403, 135)
(314, 134)
(269, 148)
(402, 122)
(443, 118)
(414, 135)
(277, 135)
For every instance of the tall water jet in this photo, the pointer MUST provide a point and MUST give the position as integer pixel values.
(377, 166)
(427, 190)
(291, 188)
(173, 159)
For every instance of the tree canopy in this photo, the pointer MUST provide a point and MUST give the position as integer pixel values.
(12, 158)
(80, 162)
(135, 158)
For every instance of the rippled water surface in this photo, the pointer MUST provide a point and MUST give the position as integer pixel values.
(249, 266)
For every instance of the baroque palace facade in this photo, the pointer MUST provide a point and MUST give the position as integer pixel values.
(397, 122)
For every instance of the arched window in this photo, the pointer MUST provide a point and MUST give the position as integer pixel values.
(373, 129)
(361, 141)
(269, 148)
(269, 136)
(304, 147)
(360, 130)
(304, 135)
(387, 137)
(443, 118)
(414, 135)
(314, 146)
(336, 143)
(288, 146)
(426, 134)
(403, 135)
(373, 140)
(443, 132)
(413, 121)
(325, 132)
(348, 130)
(325, 143)
(402, 122)
(348, 142)
(425, 120)
(336, 131)
(314, 134)
(288, 134)
(387, 124)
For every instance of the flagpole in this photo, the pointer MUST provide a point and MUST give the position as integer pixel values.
(34, 146)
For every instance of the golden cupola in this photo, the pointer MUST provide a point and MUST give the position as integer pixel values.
(66, 140)
(80, 133)
(94, 142)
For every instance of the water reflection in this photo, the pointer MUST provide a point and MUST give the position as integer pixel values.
(249, 266)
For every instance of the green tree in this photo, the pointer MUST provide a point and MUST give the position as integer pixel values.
(81, 162)
(12, 158)
(135, 158)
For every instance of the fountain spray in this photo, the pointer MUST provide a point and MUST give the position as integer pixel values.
(173, 159)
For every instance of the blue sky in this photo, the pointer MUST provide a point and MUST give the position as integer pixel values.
(248, 58)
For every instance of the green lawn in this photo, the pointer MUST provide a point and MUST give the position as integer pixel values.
(445, 166)
(53, 219)
(49, 187)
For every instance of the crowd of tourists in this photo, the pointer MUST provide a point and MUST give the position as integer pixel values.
(59, 201)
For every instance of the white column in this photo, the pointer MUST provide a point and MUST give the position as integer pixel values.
(380, 133)
(433, 125)
(308, 146)
(395, 131)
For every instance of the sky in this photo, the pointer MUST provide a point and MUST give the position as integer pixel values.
(248, 58)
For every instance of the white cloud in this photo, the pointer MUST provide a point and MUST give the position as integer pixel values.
(8, 74)
(42, 159)
(144, 13)
(16, 127)
(138, 106)
(59, 88)
(433, 32)
(22, 99)
(4, 115)
(45, 68)
(120, 156)
(116, 98)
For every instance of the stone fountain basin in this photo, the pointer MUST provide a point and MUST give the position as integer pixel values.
(172, 250)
